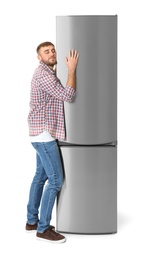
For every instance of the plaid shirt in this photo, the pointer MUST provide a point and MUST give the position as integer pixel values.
(47, 103)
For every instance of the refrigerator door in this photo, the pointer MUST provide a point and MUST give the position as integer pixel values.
(87, 202)
(92, 117)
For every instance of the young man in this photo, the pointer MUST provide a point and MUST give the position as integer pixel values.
(46, 124)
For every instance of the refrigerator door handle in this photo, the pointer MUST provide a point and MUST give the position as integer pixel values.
(114, 144)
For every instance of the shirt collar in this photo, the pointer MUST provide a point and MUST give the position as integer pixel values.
(46, 67)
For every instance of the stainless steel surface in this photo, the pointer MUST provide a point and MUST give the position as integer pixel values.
(92, 117)
(87, 203)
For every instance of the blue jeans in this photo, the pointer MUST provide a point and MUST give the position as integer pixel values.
(48, 168)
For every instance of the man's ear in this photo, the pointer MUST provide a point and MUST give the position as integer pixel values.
(39, 57)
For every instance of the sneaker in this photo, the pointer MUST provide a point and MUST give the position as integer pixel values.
(31, 228)
(50, 236)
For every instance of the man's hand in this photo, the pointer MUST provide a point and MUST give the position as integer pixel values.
(71, 63)
(72, 60)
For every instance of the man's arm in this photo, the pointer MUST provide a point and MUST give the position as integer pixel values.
(71, 63)
(50, 84)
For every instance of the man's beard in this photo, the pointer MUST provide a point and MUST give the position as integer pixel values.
(50, 63)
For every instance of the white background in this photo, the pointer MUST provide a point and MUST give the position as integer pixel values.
(23, 25)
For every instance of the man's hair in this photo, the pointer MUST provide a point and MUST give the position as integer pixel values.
(43, 44)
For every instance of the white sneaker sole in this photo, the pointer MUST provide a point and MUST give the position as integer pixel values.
(30, 231)
(52, 241)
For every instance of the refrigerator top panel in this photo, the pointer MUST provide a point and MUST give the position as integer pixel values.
(92, 116)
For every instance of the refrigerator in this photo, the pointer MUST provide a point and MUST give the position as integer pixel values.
(87, 202)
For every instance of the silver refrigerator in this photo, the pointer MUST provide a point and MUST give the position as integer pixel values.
(87, 202)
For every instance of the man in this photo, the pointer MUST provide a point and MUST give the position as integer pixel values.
(46, 124)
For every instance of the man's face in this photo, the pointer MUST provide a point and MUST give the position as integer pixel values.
(47, 55)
